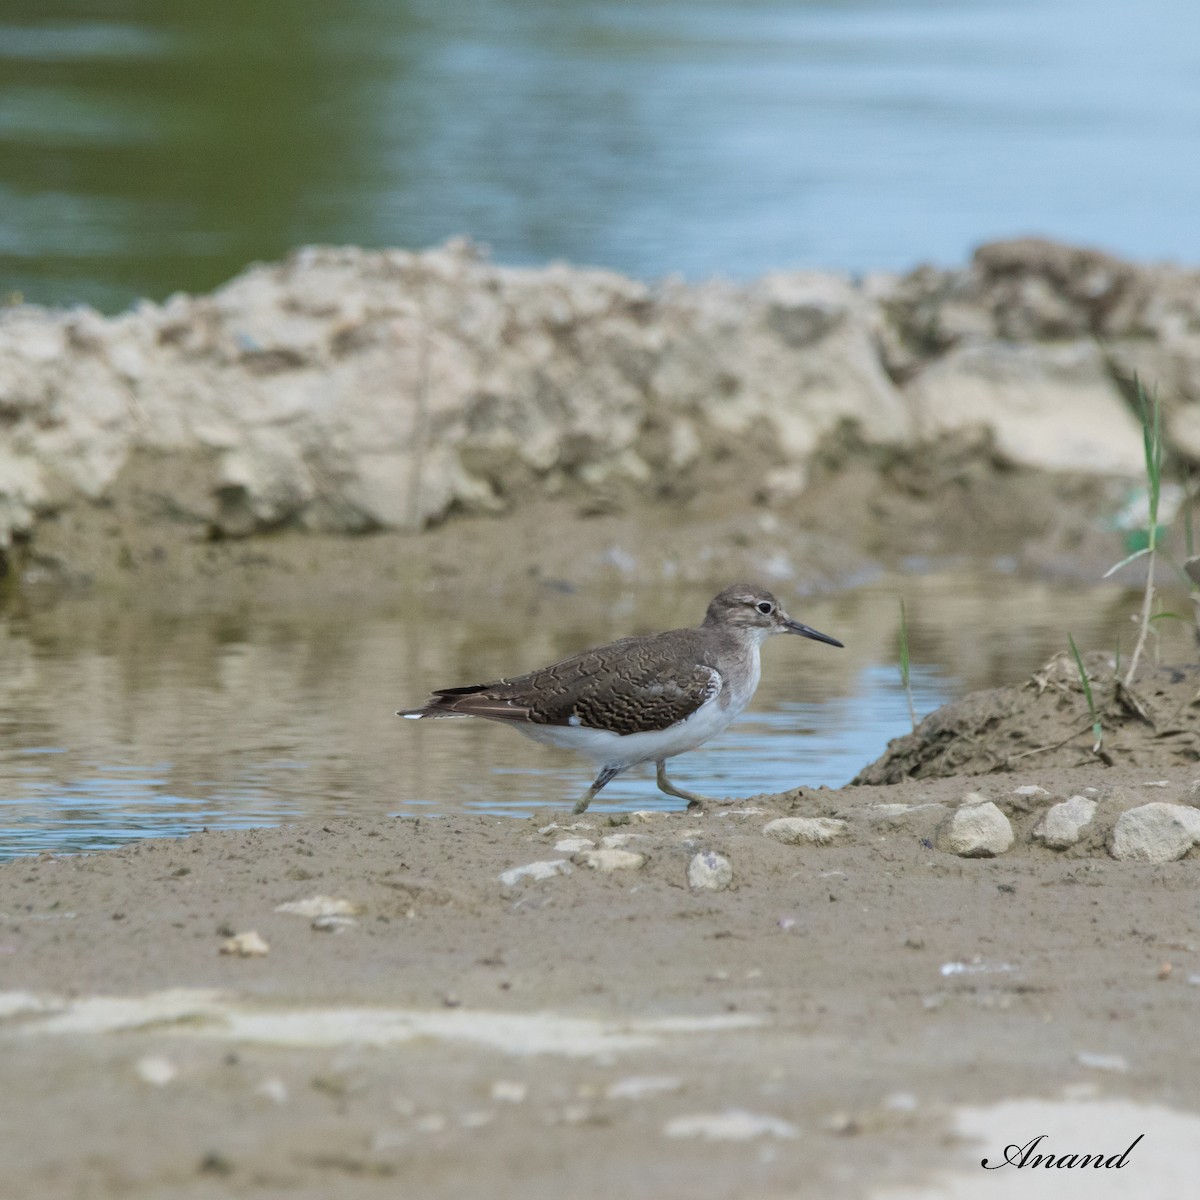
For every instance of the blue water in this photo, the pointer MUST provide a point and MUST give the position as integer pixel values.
(117, 724)
(151, 147)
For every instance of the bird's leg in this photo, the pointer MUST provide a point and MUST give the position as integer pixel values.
(605, 776)
(665, 785)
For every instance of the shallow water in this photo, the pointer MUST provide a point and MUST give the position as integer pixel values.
(149, 147)
(117, 724)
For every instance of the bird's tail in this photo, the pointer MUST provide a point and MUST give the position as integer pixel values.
(430, 710)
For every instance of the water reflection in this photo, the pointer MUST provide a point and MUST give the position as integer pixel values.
(147, 147)
(117, 724)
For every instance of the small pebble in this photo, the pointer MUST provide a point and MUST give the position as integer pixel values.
(156, 1070)
(709, 872)
(274, 1089)
(976, 829)
(508, 1091)
(1102, 1062)
(331, 923)
(536, 870)
(732, 1125)
(320, 906)
(573, 845)
(816, 831)
(634, 1087)
(1064, 823)
(245, 945)
(1030, 789)
(617, 841)
(611, 860)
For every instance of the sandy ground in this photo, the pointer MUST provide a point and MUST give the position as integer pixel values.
(817, 1028)
(810, 1030)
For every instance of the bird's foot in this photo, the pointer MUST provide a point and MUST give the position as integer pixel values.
(697, 803)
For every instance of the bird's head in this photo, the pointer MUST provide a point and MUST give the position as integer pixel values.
(752, 609)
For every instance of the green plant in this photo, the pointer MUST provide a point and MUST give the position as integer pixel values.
(1152, 441)
(904, 664)
(1097, 730)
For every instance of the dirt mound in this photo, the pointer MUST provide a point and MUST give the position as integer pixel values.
(1046, 722)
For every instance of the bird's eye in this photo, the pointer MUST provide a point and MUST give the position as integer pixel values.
(765, 607)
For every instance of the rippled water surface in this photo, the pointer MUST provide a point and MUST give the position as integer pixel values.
(147, 147)
(117, 724)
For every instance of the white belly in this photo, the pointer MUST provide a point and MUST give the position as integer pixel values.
(608, 749)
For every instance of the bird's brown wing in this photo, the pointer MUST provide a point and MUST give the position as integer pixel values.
(630, 686)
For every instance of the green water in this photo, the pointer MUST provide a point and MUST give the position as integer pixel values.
(149, 147)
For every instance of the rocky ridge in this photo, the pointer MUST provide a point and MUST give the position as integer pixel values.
(346, 390)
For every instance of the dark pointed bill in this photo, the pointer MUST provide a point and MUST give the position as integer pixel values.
(808, 632)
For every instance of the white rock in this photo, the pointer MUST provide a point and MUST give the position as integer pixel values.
(1102, 1062)
(816, 831)
(245, 945)
(1064, 823)
(975, 830)
(618, 841)
(1030, 789)
(156, 1070)
(320, 906)
(611, 860)
(732, 1125)
(332, 923)
(509, 1091)
(573, 845)
(274, 1089)
(1155, 833)
(887, 811)
(1051, 406)
(634, 1087)
(546, 869)
(709, 872)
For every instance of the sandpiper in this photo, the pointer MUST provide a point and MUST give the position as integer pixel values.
(640, 699)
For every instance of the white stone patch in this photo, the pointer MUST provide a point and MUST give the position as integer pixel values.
(250, 944)
(976, 829)
(1155, 833)
(274, 1089)
(976, 967)
(709, 872)
(546, 869)
(813, 831)
(156, 1070)
(618, 841)
(320, 906)
(635, 1087)
(1116, 1063)
(1030, 789)
(333, 924)
(203, 1013)
(611, 860)
(1162, 1166)
(732, 1125)
(573, 845)
(1064, 823)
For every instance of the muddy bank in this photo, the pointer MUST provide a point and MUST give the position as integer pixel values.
(1047, 722)
(461, 1024)
(346, 391)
